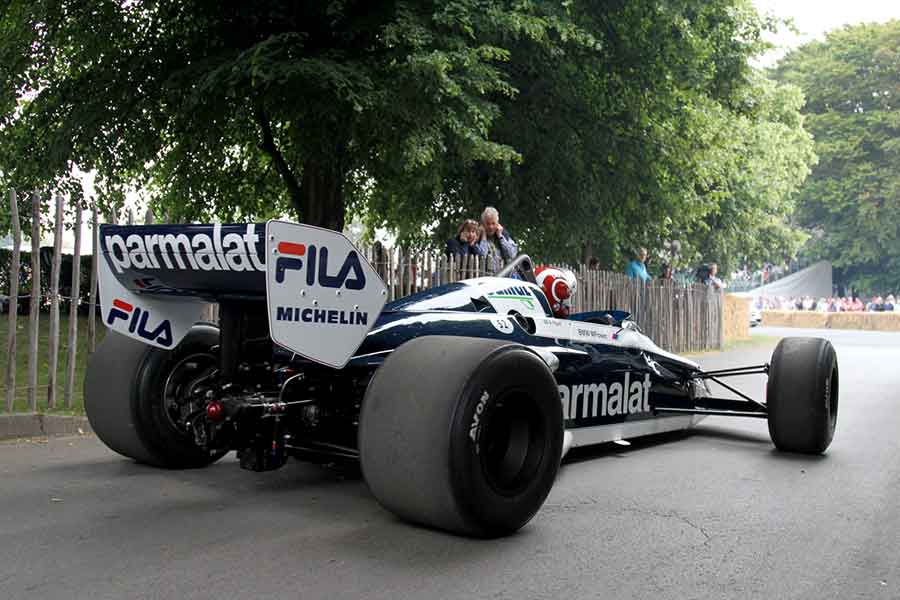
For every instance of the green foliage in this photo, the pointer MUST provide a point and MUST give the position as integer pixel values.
(656, 129)
(765, 155)
(246, 109)
(623, 123)
(851, 202)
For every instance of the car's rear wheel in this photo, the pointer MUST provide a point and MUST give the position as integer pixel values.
(802, 395)
(141, 400)
(462, 434)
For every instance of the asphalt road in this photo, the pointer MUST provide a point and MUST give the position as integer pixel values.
(715, 514)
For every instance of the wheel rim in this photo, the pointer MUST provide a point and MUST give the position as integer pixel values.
(513, 443)
(182, 395)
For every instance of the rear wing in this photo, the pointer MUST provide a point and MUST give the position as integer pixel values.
(322, 295)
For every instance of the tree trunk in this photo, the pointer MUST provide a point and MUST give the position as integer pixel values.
(322, 196)
(587, 251)
(318, 198)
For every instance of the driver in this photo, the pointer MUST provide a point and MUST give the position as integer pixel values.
(559, 286)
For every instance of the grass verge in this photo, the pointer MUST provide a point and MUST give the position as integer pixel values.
(21, 401)
(753, 341)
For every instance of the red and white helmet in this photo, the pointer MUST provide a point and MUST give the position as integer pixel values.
(559, 286)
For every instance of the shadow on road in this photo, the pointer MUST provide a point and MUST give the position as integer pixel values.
(614, 450)
(736, 435)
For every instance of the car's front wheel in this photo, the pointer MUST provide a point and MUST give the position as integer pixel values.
(802, 395)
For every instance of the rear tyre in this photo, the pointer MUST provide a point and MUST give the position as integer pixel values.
(462, 434)
(137, 397)
(802, 395)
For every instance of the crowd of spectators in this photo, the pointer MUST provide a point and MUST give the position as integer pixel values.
(706, 274)
(709, 276)
(637, 267)
(487, 238)
(832, 304)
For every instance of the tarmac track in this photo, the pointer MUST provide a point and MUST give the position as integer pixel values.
(714, 514)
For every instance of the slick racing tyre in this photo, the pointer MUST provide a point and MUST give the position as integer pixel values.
(462, 434)
(802, 395)
(138, 398)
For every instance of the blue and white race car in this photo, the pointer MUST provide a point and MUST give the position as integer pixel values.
(458, 402)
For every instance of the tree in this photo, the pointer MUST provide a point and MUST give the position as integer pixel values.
(851, 202)
(248, 108)
(767, 155)
(624, 123)
(659, 130)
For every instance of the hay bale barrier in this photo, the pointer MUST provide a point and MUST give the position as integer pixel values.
(862, 321)
(736, 318)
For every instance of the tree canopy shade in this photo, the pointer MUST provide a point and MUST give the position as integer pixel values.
(851, 202)
(624, 123)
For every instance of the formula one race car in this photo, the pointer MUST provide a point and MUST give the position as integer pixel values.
(458, 402)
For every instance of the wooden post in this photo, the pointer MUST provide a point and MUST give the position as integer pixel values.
(402, 271)
(92, 306)
(72, 345)
(390, 272)
(407, 271)
(13, 302)
(382, 258)
(53, 341)
(34, 308)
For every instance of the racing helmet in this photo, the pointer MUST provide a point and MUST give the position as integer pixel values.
(559, 285)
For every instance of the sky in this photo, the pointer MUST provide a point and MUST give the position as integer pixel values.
(814, 17)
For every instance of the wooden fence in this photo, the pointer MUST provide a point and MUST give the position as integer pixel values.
(679, 318)
(35, 382)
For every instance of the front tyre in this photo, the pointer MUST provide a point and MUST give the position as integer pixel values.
(802, 395)
(141, 400)
(462, 434)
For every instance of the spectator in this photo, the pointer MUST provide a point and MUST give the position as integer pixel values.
(713, 281)
(637, 267)
(666, 272)
(702, 274)
(496, 244)
(466, 240)
(889, 303)
(857, 304)
(877, 305)
(593, 264)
